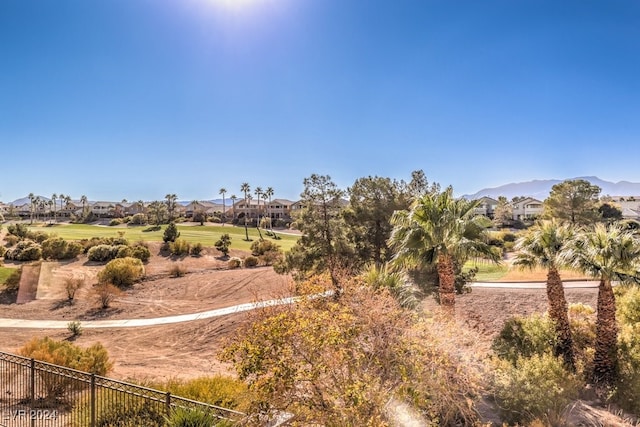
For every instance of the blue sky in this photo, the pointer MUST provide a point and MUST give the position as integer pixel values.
(139, 98)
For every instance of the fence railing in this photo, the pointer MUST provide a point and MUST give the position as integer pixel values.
(35, 393)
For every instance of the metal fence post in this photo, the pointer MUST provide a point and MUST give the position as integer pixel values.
(93, 400)
(168, 403)
(32, 387)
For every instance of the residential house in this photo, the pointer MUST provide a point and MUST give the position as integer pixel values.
(486, 207)
(206, 207)
(103, 209)
(527, 208)
(279, 209)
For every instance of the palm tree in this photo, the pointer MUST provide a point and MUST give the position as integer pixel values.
(245, 188)
(171, 204)
(32, 199)
(233, 205)
(269, 192)
(84, 201)
(543, 246)
(440, 230)
(54, 198)
(223, 191)
(258, 193)
(607, 253)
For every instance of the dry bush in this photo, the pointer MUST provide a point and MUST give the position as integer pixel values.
(338, 360)
(177, 270)
(105, 294)
(71, 286)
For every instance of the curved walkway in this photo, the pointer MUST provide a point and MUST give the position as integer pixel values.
(130, 323)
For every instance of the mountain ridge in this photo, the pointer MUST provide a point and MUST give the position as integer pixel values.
(540, 188)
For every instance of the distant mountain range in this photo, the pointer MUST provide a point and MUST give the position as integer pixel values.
(540, 189)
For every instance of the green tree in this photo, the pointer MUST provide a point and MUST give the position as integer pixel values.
(258, 193)
(84, 201)
(439, 229)
(269, 192)
(323, 246)
(233, 205)
(245, 188)
(32, 206)
(575, 201)
(543, 246)
(171, 200)
(54, 199)
(223, 244)
(158, 211)
(607, 253)
(610, 212)
(171, 233)
(372, 201)
(503, 213)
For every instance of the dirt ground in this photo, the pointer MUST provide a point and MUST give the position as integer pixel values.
(190, 349)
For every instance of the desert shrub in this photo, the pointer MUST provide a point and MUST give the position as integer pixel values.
(196, 249)
(219, 390)
(181, 417)
(583, 331)
(38, 236)
(171, 233)
(71, 286)
(13, 281)
(509, 246)
(524, 337)
(115, 221)
(102, 253)
(75, 328)
(177, 270)
(11, 240)
(628, 304)
(127, 413)
(223, 244)
(58, 248)
(139, 219)
(180, 247)
(3, 251)
(105, 294)
(24, 250)
(250, 261)
(268, 252)
(234, 262)
(627, 387)
(509, 237)
(533, 387)
(123, 251)
(141, 252)
(122, 272)
(93, 359)
(18, 230)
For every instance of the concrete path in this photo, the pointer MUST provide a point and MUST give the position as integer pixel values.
(536, 285)
(129, 323)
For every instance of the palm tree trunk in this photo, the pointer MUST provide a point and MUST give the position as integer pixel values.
(605, 360)
(558, 313)
(447, 287)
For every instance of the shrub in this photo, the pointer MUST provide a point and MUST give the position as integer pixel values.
(139, 219)
(38, 236)
(196, 249)
(25, 250)
(181, 417)
(268, 252)
(180, 247)
(75, 328)
(102, 253)
(105, 294)
(93, 359)
(250, 261)
(141, 252)
(19, 230)
(123, 251)
(13, 281)
(3, 251)
(509, 237)
(114, 222)
(57, 248)
(533, 387)
(122, 272)
(234, 262)
(177, 270)
(71, 285)
(524, 337)
(219, 390)
(11, 240)
(171, 233)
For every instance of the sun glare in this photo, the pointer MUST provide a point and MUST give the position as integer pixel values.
(235, 4)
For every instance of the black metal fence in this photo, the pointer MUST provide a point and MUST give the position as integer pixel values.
(34, 393)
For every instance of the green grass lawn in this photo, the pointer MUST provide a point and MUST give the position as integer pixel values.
(207, 234)
(5, 272)
(487, 271)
